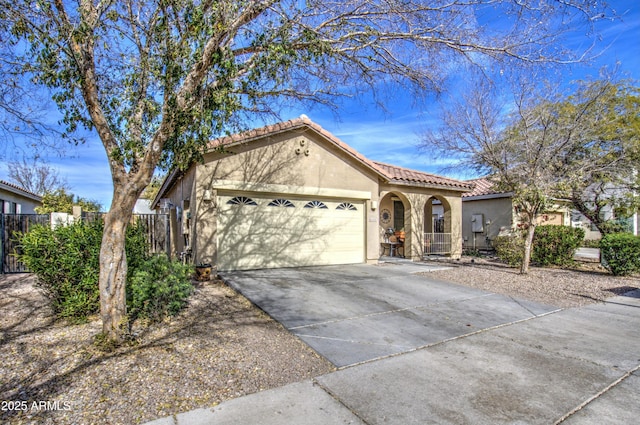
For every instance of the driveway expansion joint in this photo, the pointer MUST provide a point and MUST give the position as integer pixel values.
(338, 400)
(598, 395)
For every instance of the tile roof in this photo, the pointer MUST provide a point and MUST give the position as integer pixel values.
(483, 186)
(392, 173)
(403, 175)
(19, 190)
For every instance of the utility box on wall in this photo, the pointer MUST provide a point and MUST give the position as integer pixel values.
(477, 223)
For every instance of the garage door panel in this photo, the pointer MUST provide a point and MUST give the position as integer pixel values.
(263, 236)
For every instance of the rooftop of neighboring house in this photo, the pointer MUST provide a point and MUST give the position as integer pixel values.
(483, 189)
(17, 190)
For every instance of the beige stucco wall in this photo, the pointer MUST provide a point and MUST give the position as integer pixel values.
(497, 211)
(300, 164)
(180, 195)
(27, 205)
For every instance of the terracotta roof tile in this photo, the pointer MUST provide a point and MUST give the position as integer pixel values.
(20, 189)
(408, 176)
(483, 186)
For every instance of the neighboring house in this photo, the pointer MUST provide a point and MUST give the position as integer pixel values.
(16, 200)
(487, 213)
(15, 204)
(632, 224)
(605, 192)
(292, 194)
(143, 206)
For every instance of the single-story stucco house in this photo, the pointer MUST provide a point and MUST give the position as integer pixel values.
(292, 194)
(16, 200)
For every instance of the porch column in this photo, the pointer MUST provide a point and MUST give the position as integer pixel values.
(416, 217)
(456, 225)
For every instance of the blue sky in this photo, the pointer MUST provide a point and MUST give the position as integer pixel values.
(391, 136)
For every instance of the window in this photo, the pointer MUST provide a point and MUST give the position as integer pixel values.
(347, 206)
(241, 200)
(8, 207)
(398, 215)
(281, 203)
(316, 204)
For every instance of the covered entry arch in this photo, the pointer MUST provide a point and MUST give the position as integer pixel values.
(395, 217)
(437, 226)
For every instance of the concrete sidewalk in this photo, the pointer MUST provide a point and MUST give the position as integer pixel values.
(575, 366)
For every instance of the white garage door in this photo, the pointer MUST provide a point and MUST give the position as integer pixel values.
(280, 231)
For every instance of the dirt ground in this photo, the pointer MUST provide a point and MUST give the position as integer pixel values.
(584, 283)
(221, 347)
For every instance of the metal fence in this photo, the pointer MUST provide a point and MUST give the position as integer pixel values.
(11, 225)
(156, 229)
(437, 243)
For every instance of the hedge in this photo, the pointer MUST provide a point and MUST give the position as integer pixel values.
(620, 253)
(555, 245)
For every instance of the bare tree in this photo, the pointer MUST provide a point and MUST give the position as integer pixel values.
(36, 176)
(156, 80)
(543, 145)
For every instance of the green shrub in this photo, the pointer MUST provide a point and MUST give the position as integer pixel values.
(159, 288)
(591, 243)
(615, 226)
(136, 246)
(555, 245)
(509, 249)
(620, 253)
(67, 263)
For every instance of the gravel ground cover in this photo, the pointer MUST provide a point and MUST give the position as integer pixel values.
(585, 283)
(220, 348)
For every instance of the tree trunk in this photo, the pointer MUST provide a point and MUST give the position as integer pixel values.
(113, 268)
(528, 244)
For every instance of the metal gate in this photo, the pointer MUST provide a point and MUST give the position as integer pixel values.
(437, 243)
(157, 230)
(11, 225)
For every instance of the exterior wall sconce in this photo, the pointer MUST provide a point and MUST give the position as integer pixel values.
(374, 205)
(207, 196)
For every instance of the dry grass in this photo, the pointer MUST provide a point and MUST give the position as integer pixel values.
(220, 348)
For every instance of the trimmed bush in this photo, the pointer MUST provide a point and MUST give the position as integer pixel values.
(620, 253)
(66, 261)
(509, 249)
(555, 245)
(158, 289)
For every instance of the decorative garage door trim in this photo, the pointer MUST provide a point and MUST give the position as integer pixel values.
(288, 231)
(231, 186)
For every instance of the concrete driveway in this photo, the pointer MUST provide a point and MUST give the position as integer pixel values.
(358, 313)
(484, 358)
